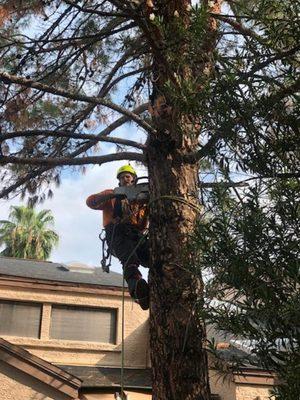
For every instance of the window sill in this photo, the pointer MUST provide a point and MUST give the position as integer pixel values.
(63, 344)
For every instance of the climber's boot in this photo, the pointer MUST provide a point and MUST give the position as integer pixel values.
(138, 287)
(141, 294)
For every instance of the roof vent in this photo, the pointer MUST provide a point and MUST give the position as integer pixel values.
(80, 268)
(63, 268)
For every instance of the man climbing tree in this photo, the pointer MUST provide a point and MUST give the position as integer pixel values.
(125, 223)
(213, 81)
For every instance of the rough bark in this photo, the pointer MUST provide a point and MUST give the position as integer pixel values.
(179, 361)
(177, 331)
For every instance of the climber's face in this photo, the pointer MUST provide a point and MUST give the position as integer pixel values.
(126, 179)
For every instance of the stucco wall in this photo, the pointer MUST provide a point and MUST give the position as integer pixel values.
(16, 385)
(109, 396)
(221, 385)
(253, 392)
(85, 353)
(104, 354)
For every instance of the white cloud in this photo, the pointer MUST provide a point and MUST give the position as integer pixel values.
(77, 225)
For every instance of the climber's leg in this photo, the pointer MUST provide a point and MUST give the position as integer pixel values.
(138, 287)
(124, 246)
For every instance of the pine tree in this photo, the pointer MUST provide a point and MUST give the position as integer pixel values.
(216, 81)
(249, 247)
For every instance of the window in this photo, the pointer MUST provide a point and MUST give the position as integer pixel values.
(20, 319)
(83, 323)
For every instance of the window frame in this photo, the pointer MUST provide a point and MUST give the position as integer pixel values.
(83, 307)
(25, 303)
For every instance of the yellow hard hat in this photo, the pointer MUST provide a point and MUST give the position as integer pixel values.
(126, 168)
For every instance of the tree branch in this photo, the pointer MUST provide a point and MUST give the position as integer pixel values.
(84, 136)
(282, 93)
(279, 56)
(107, 85)
(53, 162)
(194, 157)
(21, 181)
(33, 174)
(7, 79)
(244, 182)
(95, 12)
(239, 27)
(223, 184)
(272, 99)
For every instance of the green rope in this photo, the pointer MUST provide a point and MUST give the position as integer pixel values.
(123, 395)
(123, 346)
(180, 200)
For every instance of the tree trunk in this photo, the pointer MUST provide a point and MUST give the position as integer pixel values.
(177, 332)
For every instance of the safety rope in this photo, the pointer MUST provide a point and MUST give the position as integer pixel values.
(180, 200)
(123, 395)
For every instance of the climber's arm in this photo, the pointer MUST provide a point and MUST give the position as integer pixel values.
(99, 200)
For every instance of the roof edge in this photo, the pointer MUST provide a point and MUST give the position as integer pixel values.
(38, 368)
(63, 284)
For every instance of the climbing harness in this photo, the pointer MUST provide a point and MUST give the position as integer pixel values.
(136, 192)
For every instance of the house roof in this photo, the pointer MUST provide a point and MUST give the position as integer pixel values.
(45, 270)
(99, 377)
(105, 377)
(39, 369)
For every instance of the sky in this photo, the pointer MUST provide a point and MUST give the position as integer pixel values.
(77, 225)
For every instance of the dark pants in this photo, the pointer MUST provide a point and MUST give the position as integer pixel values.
(128, 244)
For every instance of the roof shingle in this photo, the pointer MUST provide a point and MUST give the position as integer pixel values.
(45, 270)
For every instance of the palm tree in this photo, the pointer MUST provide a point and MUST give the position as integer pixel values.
(26, 233)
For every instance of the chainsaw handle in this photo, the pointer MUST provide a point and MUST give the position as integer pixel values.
(141, 177)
